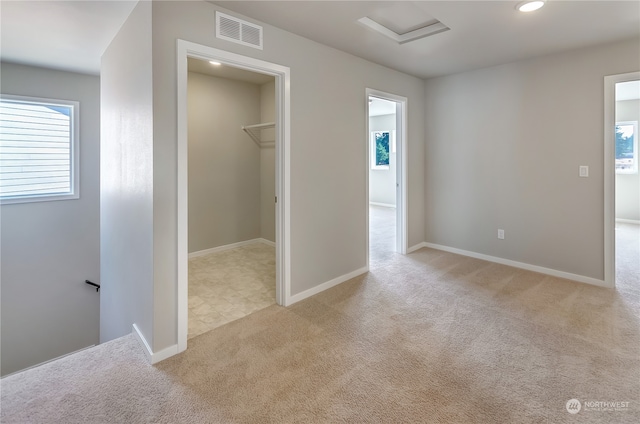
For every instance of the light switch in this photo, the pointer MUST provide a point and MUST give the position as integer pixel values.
(584, 171)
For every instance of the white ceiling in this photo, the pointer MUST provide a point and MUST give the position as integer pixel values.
(379, 107)
(72, 35)
(482, 33)
(67, 35)
(629, 90)
(229, 72)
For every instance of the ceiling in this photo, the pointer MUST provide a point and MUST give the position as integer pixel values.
(229, 72)
(629, 90)
(482, 33)
(379, 107)
(66, 35)
(72, 35)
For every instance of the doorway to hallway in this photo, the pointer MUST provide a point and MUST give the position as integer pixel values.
(386, 175)
(621, 212)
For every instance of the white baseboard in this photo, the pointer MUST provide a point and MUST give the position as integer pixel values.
(50, 360)
(384, 205)
(416, 247)
(628, 221)
(152, 357)
(267, 242)
(516, 264)
(229, 247)
(326, 285)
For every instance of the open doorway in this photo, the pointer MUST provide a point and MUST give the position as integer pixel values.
(386, 144)
(231, 192)
(281, 152)
(622, 180)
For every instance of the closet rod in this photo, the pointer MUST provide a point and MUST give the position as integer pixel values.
(249, 129)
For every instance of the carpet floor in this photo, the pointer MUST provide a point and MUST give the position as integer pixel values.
(429, 337)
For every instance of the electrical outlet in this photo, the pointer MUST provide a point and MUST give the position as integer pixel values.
(501, 234)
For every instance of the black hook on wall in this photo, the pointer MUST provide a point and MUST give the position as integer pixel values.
(97, 286)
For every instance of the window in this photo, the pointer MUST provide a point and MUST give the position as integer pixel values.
(627, 147)
(382, 144)
(38, 149)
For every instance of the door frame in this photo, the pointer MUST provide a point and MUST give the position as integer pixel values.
(401, 166)
(610, 173)
(283, 171)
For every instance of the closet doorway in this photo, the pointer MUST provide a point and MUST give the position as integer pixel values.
(233, 187)
(231, 162)
(386, 175)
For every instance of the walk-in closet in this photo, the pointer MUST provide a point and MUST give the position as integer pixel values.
(231, 162)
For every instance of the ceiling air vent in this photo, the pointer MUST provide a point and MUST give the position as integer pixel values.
(238, 31)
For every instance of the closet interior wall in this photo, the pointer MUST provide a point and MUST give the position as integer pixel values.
(231, 179)
(268, 163)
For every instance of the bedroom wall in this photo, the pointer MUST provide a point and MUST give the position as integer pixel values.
(503, 147)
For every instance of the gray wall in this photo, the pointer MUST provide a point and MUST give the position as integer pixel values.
(628, 185)
(268, 164)
(48, 249)
(382, 182)
(328, 221)
(503, 147)
(224, 162)
(126, 221)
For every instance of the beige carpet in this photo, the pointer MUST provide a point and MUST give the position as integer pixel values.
(430, 337)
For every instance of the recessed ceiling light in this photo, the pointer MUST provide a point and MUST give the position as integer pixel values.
(530, 6)
(214, 63)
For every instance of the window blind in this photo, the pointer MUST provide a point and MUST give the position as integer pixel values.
(36, 149)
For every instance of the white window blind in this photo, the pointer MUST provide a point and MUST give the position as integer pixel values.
(38, 149)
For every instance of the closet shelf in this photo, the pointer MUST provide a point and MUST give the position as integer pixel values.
(254, 133)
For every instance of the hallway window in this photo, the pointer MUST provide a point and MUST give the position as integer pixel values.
(38, 149)
(627, 147)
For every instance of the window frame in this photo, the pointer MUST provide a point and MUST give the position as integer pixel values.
(74, 147)
(634, 169)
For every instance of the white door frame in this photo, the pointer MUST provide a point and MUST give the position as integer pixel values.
(283, 166)
(610, 173)
(401, 166)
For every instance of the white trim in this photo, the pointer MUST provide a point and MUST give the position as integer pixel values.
(416, 247)
(229, 247)
(267, 242)
(327, 285)
(610, 173)
(416, 34)
(46, 362)
(628, 221)
(384, 205)
(152, 357)
(521, 265)
(401, 167)
(282, 75)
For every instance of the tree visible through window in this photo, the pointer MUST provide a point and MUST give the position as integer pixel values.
(627, 147)
(380, 141)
